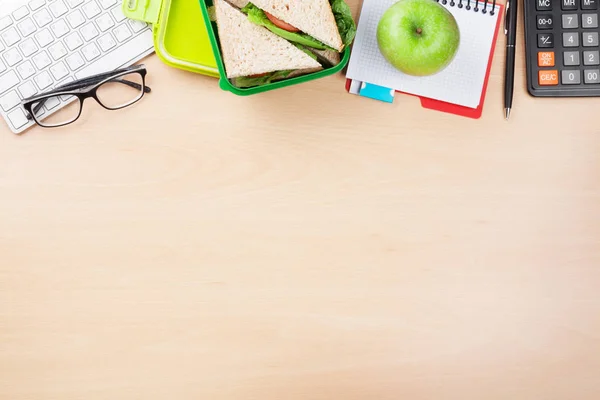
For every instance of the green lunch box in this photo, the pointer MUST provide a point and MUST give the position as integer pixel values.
(180, 36)
(225, 84)
(185, 38)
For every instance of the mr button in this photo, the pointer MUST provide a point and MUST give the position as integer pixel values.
(548, 78)
(546, 59)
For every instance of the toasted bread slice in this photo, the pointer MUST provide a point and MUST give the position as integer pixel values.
(313, 17)
(249, 49)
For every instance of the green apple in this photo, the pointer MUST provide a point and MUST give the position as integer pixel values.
(418, 37)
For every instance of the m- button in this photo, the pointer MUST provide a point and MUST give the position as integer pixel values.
(548, 78)
(546, 59)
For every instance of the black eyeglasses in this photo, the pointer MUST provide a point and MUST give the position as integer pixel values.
(112, 90)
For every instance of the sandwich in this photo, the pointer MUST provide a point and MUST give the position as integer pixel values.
(324, 27)
(253, 55)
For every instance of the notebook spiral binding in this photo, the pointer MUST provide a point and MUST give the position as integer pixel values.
(477, 6)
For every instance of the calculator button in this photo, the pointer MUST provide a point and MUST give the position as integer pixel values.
(544, 5)
(548, 77)
(570, 21)
(589, 21)
(545, 40)
(569, 4)
(591, 76)
(546, 59)
(590, 39)
(591, 58)
(570, 39)
(589, 4)
(571, 58)
(571, 77)
(545, 22)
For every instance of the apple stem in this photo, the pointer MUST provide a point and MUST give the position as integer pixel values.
(419, 31)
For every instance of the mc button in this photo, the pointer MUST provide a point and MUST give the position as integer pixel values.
(548, 78)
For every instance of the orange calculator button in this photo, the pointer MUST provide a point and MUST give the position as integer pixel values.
(546, 59)
(548, 78)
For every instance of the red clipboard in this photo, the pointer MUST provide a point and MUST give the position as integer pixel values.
(443, 106)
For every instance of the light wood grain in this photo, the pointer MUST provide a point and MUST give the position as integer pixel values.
(303, 244)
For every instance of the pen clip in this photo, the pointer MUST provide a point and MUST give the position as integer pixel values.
(506, 18)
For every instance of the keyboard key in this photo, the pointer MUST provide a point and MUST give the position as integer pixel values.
(590, 39)
(118, 14)
(5, 22)
(1, 46)
(89, 32)
(545, 22)
(591, 76)
(74, 61)
(42, 18)
(548, 77)
(57, 50)
(589, 4)
(26, 70)
(107, 3)
(106, 42)
(139, 25)
(17, 118)
(60, 28)
(571, 77)
(27, 27)
(543, 5)
(109, 63)
(570, 39)
(570, 21)
(546, 59)
(44, 37)
(35, 4)
(122, 33)
(571, 58)
(12, 57)
(52, 103)
(8, 80)
(91, 9)
(9, 100)
(73, 41)
(27, 89)
(2, 67)
(41, 60)
(58, 8)
(11, 36)
(75, 19)
(569, 4)
(43, 80)
(20, 13)
(74, 3)
(545, 40)
(105, 22)
(28, 47)
(589, 20)
(591, 58)
(90, 51)
(59, 71)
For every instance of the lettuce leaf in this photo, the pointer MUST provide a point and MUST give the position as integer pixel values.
(344, 21)
(248, 81)
(258, 17)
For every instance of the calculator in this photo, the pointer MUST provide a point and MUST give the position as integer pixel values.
(562, 52)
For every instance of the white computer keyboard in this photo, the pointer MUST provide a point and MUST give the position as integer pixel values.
(45, 43)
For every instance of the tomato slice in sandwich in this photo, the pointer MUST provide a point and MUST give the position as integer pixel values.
(281, 24)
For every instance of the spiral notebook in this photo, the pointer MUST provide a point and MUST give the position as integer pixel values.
(460, 87)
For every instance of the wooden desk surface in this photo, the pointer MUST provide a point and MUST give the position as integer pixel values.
(302, 245)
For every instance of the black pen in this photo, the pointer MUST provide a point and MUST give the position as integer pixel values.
(510, 30)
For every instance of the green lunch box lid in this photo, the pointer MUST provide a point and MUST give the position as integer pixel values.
(181, 37)
(225, 84)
